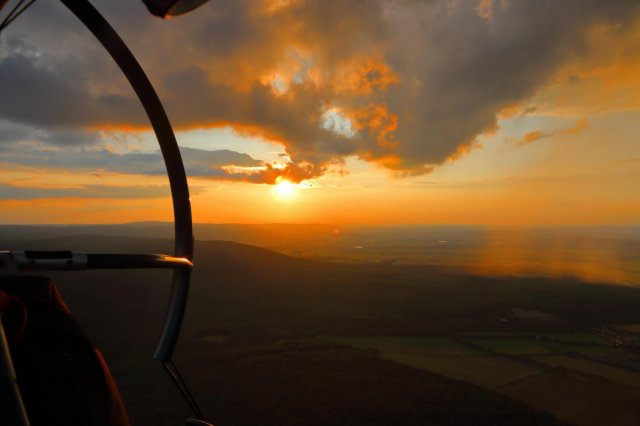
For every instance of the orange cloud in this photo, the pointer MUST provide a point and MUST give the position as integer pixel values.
(531, 137)
(605, 78)
(378, 122)
(271, 174)
(484, 9)
(363, 76)
(463, 150)
(292, 172)
(540, 134)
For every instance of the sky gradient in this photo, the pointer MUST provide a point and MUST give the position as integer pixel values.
(354, 111)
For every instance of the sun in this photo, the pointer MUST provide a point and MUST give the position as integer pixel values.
(286, 190)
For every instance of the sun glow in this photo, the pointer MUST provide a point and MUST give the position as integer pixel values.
(286, 190)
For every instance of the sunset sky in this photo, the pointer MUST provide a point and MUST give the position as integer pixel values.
(345, 111)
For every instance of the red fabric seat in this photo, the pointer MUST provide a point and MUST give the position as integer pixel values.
(63, 377)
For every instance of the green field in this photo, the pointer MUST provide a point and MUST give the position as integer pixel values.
(486, 371)
(630, 328)
(560, 347)
(578, 398)
(575, 338)
(597, 369)
(421, 346)
(545, 370)
(515, 346)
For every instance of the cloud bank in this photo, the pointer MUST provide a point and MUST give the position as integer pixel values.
(14, 192)
(406, 84)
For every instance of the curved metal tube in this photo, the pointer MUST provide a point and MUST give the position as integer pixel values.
(121, 54)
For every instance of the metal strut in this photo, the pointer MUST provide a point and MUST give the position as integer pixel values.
(140, 83)
(184, 241)
(15, 12)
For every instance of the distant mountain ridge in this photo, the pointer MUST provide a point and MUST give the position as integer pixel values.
(594, 254)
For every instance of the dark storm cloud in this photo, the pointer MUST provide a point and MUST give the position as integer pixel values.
(419, 80)
(36, 91)
(470, 68)
(12, 133)
(197, 162)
